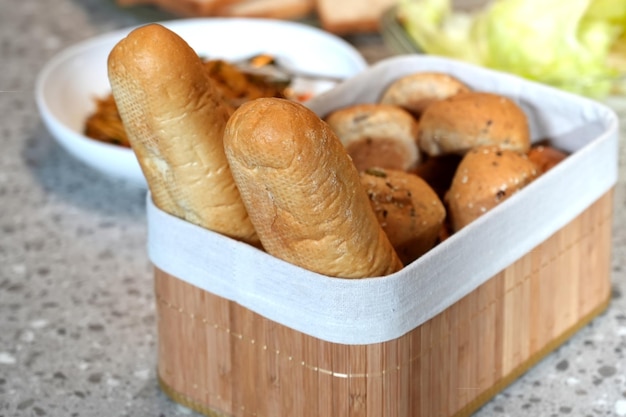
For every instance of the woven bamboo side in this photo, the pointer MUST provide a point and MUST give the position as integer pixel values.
(222, 359)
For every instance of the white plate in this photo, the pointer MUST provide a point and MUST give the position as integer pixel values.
(68, 84)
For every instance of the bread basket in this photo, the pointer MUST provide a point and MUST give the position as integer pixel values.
(243, 334)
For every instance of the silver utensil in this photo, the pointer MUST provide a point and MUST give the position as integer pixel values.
(271, 65)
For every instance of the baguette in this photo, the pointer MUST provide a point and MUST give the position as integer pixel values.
(175, 120)
(303, 192)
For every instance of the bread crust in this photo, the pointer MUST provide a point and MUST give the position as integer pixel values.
(486, 177)
(189, 8)
(303, 193)
(175, 120)
(545, 157)
(377, 135)
(343, 17)
(467, 120)
(414, 92)
(284, 9)
(408, 209)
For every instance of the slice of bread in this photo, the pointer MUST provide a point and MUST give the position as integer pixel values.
(189, 8)
(274, 9)
(344, 17)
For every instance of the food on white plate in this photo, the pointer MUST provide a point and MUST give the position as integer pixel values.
(407, 208)
(105, 124)
(303, 192)
(578, 45)
(377, 135)
(467, 120)
(414, 92)
(175, 119)
(486, 176)
(236, 86)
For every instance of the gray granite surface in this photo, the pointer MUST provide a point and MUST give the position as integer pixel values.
(77, 321)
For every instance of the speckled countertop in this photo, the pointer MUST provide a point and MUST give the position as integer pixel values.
(77, 320)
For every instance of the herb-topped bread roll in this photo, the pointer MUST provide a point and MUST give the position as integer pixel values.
(408, 209)
(415, 92)
(377, 135)
(303, 192)
(486, 176)
(467, 120)
(175, 120)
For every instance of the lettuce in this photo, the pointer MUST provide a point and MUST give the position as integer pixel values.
(572, 44)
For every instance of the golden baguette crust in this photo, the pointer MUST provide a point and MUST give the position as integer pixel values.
(303, 192)
(175, 120)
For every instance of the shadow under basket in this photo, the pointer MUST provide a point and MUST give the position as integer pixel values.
(221, 359)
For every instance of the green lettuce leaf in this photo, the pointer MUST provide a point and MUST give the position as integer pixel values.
(566, 43)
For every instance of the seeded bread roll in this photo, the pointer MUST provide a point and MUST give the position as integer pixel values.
(175, 120)
(467, 120)
(486, 177)
(377, 135)
(408, 209)
(414, 92)
(303, 192)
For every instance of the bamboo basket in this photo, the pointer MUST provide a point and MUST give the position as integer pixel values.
(221, 359)
(454, 327)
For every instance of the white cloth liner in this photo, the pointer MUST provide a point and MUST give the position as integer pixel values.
(376, 310)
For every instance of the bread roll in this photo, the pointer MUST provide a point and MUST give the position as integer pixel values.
(303, 192)
(414, 92)
(377, 135)
(545, 157)
(467, 120)
(409, 211)
(486, 177)
(175, 120)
